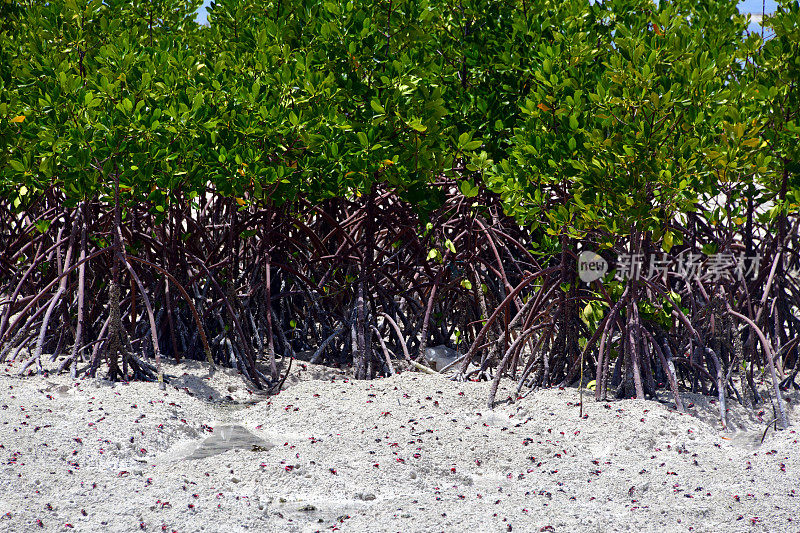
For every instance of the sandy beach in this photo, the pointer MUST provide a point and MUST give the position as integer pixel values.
(413, 452)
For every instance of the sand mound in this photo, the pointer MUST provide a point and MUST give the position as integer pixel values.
(413, 452)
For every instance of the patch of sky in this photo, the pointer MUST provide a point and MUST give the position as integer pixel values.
(758, 8)
(202, 13)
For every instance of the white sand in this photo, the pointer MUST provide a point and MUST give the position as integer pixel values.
(410, 453)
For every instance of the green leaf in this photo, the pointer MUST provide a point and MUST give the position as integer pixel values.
(666, 244)
(197, 102)
(43, 225)
(377, 107)
(468, 189)
(709, 249)
(473, 145)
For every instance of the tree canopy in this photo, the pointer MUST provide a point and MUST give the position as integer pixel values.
(323, 172)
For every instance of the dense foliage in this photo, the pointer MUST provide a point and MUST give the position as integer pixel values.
(359, 180)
